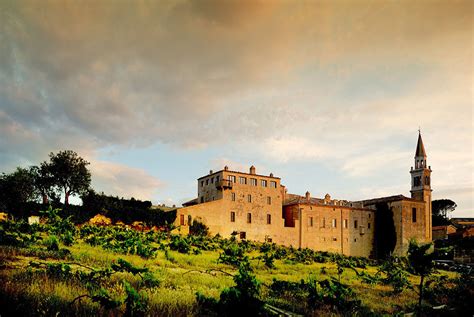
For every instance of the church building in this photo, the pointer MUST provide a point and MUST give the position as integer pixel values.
(258, 207)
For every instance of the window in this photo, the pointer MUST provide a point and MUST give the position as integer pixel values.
(242, 180)
(269, 200)
(413, 215)
(253, 181)
(249, 218)
(324, 223)
(231, 178)
(334, 239)
(249, 198)
(217, 179)
(242, 235)
(310, 221)
(355, 239)
(181, 220)
(346, 223)
(369, 215)
(207, 181)
(202, 200)
(189, 220)
(202, 183)
(264, 183)
(355, 224)
(212, 180)
(368, 225)
(232, 216)
(427, 180)
(273, 184)
(334, 223)
(269, 219)
(233, 196)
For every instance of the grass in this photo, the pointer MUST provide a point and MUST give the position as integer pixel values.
(181, 276)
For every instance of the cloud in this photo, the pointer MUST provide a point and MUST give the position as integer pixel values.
(338, 82)
(124, 181)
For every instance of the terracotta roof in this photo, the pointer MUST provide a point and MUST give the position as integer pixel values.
(387, 199)
(297, 200)
(420, 149)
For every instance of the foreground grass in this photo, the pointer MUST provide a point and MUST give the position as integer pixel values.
(180, 277)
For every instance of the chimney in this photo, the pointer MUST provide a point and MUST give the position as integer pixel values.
(210, 172)
(252, 170)
(271, 174)
(226, 168)
(307, 195)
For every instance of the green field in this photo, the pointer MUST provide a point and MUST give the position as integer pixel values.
(59, 270)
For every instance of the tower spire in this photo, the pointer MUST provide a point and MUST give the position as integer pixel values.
(420, 149)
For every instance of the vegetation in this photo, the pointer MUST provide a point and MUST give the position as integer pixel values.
(440, 210)
(91, 270)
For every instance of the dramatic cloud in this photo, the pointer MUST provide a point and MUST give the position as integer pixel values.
(344, 84)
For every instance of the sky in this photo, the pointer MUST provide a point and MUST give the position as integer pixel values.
(327, 95)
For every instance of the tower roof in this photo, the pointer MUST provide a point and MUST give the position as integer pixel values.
(420, 149)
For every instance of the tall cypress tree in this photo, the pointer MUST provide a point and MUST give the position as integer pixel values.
(385, 235)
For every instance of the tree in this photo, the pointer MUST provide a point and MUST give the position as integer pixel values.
(43, 181)
(440, 210)
(16, 189)
(385, 235)
(70, 173)
(421, 263)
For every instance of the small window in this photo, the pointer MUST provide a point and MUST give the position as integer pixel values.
(413, 214)
(233, 196)
(269, 240)
(346, 223)
(264, 183)
(253, 181)
(231, 178)
(368, 225)
(212, 180)
(269, 219)
(310, 221)
(189, 220)
(232, 216)
(242, 180)
(202, 183)
(355, 239)
(324, 223)
(202, 200)
(242, 235)
(273, 184)
(356, 225)
(370, 215)
(249, 198)
(334, 239)
(181, 220)
(269, 200)
(334, 223)
(249, 218)
(207, 181)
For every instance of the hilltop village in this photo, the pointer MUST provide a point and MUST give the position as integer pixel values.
(258, 207)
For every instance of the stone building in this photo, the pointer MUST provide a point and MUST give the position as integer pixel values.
(258, 207)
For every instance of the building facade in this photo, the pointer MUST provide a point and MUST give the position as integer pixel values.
(258, 207)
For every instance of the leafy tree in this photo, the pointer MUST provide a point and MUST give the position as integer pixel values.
(70, 173)
(421, 264)
(440, 210)
(16, 189)
(43, 181)
(198, 228)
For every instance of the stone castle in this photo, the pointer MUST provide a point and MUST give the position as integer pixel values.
(258, 207)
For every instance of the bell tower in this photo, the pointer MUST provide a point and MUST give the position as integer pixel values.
(421, 183)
